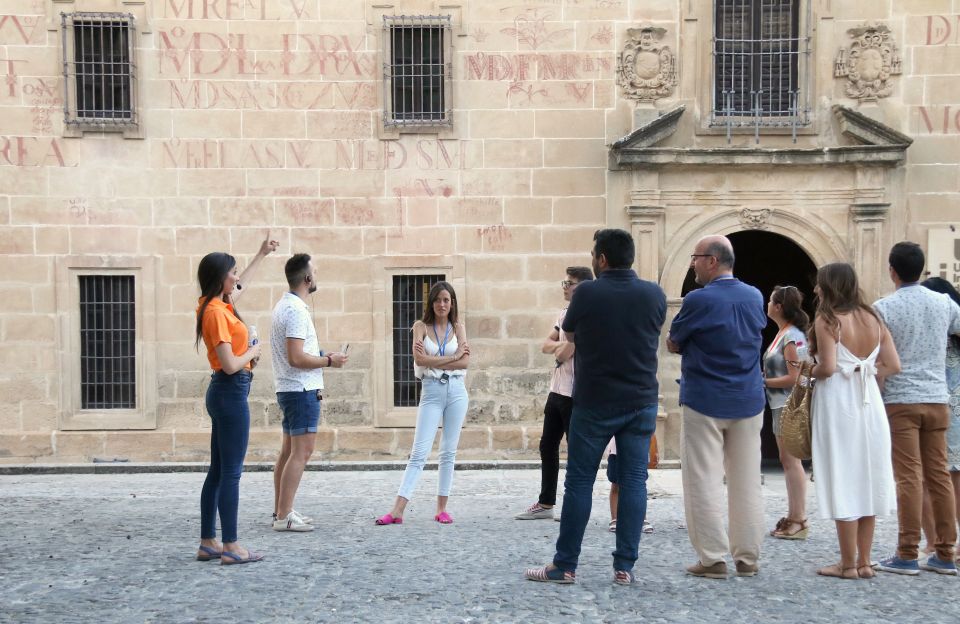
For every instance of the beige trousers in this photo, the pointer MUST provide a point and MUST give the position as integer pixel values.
(709, 448)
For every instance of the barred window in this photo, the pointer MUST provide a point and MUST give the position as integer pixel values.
(409, 296)
(99, 72)
(758, 58)
(416, 70)
(107, 342)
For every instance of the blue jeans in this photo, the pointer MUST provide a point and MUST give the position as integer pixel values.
(590, 432)
(446, 402)
(228, 409)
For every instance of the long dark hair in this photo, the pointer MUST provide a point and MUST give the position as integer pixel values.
(940, 285)
(428, 315)
(839, 293)
(211, 274)
(790, 300)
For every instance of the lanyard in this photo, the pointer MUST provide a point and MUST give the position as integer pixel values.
(441, 347)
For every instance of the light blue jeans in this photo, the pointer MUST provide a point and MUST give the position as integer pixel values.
(439, 402)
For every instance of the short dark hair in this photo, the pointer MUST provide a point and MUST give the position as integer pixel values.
(616, 245)
(580, 273)
(723, 253)
(907, 261)
(297, 268)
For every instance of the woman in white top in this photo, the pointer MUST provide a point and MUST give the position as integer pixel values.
(851, 436)
(440, 356)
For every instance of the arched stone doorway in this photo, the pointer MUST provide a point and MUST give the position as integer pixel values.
(766, 260)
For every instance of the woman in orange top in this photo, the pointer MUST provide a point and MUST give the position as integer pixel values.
(232, 361)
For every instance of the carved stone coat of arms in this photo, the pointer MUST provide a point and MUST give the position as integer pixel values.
(646, 70)
(869, 63)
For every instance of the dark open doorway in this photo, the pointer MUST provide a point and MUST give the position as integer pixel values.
(766, 260)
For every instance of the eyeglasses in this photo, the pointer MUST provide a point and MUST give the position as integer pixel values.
(568, 284)
(695, 256)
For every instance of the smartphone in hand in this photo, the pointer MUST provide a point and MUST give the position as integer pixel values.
(344, 348)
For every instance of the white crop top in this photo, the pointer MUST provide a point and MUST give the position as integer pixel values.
(430, 346)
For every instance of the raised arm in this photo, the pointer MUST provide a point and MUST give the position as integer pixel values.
(267, 247)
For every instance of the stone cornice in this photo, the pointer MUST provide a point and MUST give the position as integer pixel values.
(882, 146)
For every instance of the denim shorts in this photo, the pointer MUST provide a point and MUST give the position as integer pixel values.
(612, 468)
(301, 411)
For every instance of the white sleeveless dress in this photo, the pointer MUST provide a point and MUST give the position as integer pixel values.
(853, 472)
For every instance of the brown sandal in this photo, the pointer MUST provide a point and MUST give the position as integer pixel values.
(783, 529)
(866, 571)
(838, 571)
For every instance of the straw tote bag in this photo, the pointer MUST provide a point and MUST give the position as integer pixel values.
(795, 420)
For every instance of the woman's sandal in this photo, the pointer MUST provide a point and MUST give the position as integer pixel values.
(838, 571)
(781, 524)
(232, 558)
(783, 529)
(207, 554)
(388, 519)
(443, 518)
(866, 571)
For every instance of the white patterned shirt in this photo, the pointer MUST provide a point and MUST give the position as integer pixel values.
(919, 320)
(291, 319)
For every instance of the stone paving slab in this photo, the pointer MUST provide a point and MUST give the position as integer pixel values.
(119, 548)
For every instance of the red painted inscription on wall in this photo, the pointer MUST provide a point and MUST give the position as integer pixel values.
(18, 151)
(21, 29)
(520, 67)
(270, 95)
(236, 9)
(184, 52)
(938, 119)
(943, 29)
(424, 154)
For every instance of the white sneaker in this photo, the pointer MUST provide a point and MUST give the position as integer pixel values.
(306, 519)
(535, 512)
(292, 522)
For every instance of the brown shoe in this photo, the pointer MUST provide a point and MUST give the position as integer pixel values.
(716, 571)
(746, 569)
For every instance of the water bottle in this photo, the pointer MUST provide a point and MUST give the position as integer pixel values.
(252, 336)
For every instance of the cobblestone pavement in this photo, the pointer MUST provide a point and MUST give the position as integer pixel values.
(119, 548)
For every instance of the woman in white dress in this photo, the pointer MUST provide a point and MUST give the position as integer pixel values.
(851, 437)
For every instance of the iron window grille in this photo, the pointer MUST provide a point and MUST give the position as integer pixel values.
(99, 73)
(107, 342)
(759, 56)
(409, 296)
(416, 71)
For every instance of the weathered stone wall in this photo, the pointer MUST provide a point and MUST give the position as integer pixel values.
(262, 114)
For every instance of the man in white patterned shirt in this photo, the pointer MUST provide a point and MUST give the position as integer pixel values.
(297, 360)
(920, 321)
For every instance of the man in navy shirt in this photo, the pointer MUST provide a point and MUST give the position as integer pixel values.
(615, 322)
(717, 331)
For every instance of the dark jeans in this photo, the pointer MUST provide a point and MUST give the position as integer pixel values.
(556, 424)
(228, 409)
(590, 432)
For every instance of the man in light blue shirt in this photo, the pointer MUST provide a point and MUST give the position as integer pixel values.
(718, 333)
(920, 321)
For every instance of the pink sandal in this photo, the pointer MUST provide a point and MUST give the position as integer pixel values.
(443, 518)
(388, 519)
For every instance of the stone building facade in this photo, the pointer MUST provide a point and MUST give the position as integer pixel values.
(401, 140)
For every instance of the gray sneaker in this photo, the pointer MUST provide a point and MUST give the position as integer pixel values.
(535, 512)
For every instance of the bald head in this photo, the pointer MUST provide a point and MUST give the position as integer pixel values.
(712, 257)
(719, 247)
